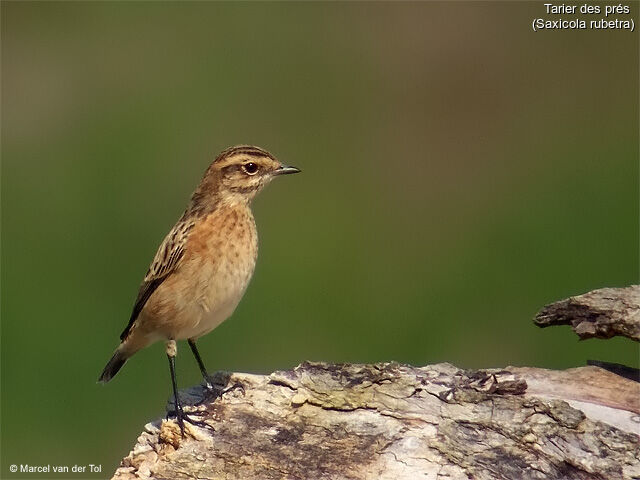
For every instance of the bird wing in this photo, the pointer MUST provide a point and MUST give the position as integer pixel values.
(165, 262)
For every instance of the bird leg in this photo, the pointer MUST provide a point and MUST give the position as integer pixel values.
(203, 369)
(181, 416)
(205, 374)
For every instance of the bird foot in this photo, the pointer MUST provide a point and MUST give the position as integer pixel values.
(181, 417)
(217, 384)
(219, 390)
(236, 385)
(217, 381)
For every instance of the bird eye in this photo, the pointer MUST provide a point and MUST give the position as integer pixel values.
(250, 168)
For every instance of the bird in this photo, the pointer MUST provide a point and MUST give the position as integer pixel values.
(203, 266)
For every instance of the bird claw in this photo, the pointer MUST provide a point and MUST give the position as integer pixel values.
(211, 385)
(215, 382)
(182, 417)
(236, 385)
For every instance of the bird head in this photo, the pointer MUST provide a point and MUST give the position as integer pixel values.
(238, 174)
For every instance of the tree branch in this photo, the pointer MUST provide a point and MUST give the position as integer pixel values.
(602, 313)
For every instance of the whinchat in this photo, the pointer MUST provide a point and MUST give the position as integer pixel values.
(203, 266)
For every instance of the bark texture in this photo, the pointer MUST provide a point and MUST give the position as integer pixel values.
(602, 313)
(392, 421)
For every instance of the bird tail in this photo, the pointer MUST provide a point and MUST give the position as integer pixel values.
(114, 365)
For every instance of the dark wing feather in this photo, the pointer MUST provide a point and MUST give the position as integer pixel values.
(164, 263)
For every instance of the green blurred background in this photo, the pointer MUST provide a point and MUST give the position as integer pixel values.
(460, 172)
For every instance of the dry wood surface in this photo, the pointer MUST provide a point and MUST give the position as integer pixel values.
(390, 421)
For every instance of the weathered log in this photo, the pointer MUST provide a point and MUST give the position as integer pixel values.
(602, 313)
(391, 421)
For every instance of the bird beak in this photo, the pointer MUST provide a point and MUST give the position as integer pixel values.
(285, 170)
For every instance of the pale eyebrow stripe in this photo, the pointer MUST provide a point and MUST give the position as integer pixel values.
(243, 150)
